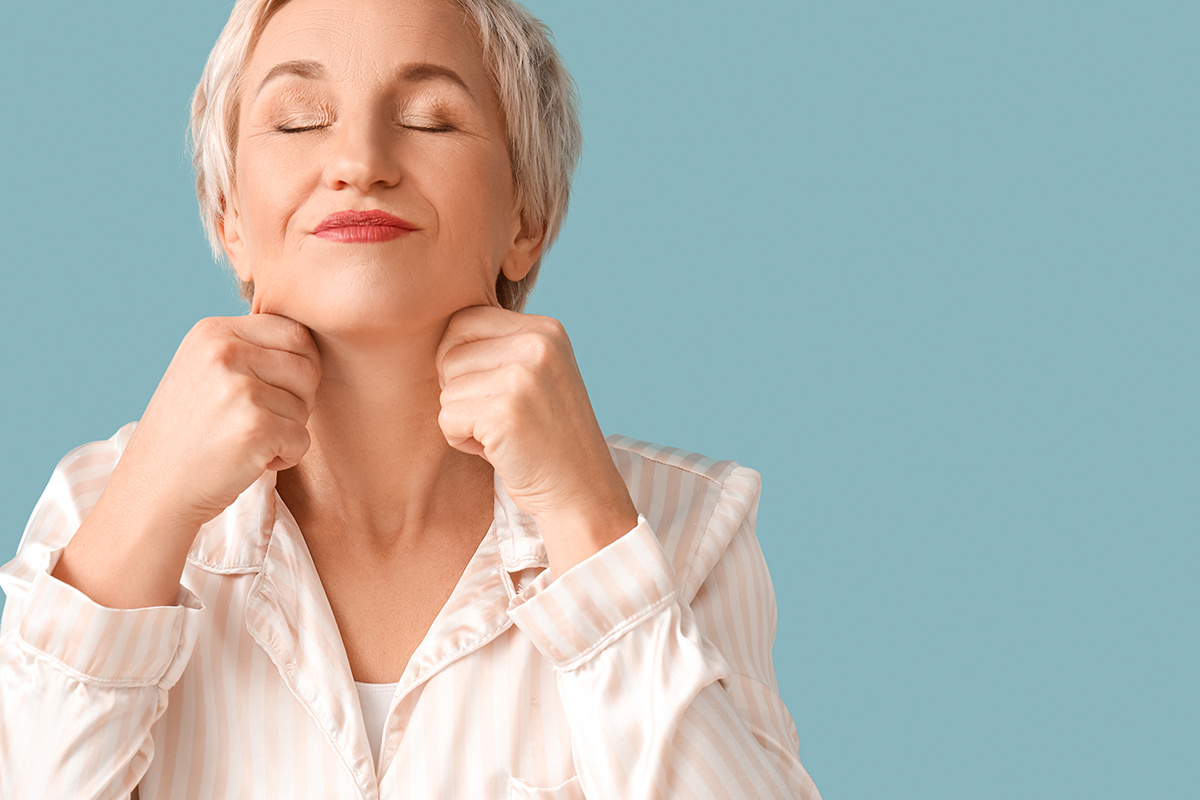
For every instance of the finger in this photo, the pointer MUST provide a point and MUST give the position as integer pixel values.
(280, 402)
(458, 420)
(481, 355)
(294, 442)
(511, 389)
(275, 332)
(474, 323)
(287, 371)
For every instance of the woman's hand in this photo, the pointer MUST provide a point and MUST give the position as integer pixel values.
(233, 403)
(512, 393)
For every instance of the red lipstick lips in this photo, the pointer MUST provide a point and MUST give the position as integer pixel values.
(362, 227)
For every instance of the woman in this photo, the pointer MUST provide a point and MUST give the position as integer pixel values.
(369, 540)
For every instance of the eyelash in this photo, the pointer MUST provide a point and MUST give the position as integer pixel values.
(424, 129)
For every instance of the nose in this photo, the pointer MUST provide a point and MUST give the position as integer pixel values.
(364, 154)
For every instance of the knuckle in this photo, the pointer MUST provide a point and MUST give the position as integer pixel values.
(550, 327)
(508, 406)
(297, 334)
(448, 360)
(303, 408)
(209, 326)
(231, 392)
(243, 388)
(516, 378)
(255, 420)
(297, 436)
(310, 373)
(448, 420)
(222, 353)
(541, 349)
(242, 423)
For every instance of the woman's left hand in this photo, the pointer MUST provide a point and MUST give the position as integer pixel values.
(512, 393)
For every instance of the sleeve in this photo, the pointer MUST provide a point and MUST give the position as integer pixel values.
(668, 696)
(80, 684)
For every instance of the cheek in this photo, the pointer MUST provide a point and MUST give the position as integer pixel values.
(473, 196)
(267, 187)
(497, 200)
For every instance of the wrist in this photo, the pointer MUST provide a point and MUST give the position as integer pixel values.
(144, 495)
(572, 534)
(127, 554)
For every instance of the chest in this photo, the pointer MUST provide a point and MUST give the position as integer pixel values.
(384, 609)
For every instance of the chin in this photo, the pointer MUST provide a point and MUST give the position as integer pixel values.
(355, 299)
(355, 316)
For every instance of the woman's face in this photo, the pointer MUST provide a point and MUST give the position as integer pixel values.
(372, 105)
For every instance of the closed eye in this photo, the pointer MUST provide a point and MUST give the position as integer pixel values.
(301, 129)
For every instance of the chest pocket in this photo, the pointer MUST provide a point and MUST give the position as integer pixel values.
(523, 790)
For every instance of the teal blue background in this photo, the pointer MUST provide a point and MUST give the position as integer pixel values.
(930, 267)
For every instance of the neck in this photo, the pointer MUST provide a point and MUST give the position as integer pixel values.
(379, 477)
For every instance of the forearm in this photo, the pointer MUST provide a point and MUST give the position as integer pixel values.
(130, 551)
(123, 557)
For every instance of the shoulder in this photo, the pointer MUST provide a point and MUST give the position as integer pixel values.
(694, 504)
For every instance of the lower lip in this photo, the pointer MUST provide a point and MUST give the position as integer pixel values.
(362, 234)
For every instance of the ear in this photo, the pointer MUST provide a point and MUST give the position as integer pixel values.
(526, 249)
(229, 228)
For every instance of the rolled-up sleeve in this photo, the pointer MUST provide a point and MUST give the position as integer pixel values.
(80, 684)
(665, 698)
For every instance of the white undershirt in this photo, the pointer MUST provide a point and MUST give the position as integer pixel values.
(375, 699)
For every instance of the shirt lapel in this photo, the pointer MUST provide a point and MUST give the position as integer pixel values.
(289, 616)
(477, 610)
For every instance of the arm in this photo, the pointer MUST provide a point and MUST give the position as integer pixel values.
(97, 627)
(80, 684)
(668, 685)
(671, 696)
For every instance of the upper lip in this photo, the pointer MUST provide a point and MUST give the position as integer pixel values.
(351, 219)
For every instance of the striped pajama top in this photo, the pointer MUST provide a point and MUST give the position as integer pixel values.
(643, 672)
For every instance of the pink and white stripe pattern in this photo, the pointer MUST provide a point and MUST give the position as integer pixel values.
(644, 672)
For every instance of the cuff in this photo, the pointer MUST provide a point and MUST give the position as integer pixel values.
(133, 647)
(597, 600)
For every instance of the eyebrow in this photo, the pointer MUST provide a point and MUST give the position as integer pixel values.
(310, 70)
(409, 73)
(419, 73)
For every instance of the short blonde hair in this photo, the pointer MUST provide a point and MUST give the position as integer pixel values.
(537, 99)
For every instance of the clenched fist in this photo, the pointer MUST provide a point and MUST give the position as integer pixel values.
(232, 404)
(512, 393)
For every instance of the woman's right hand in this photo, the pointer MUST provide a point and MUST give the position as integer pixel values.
(233, 404)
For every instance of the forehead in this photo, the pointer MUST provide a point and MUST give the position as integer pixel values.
(365, 41)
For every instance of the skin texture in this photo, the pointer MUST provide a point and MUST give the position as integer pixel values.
(383, 379)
